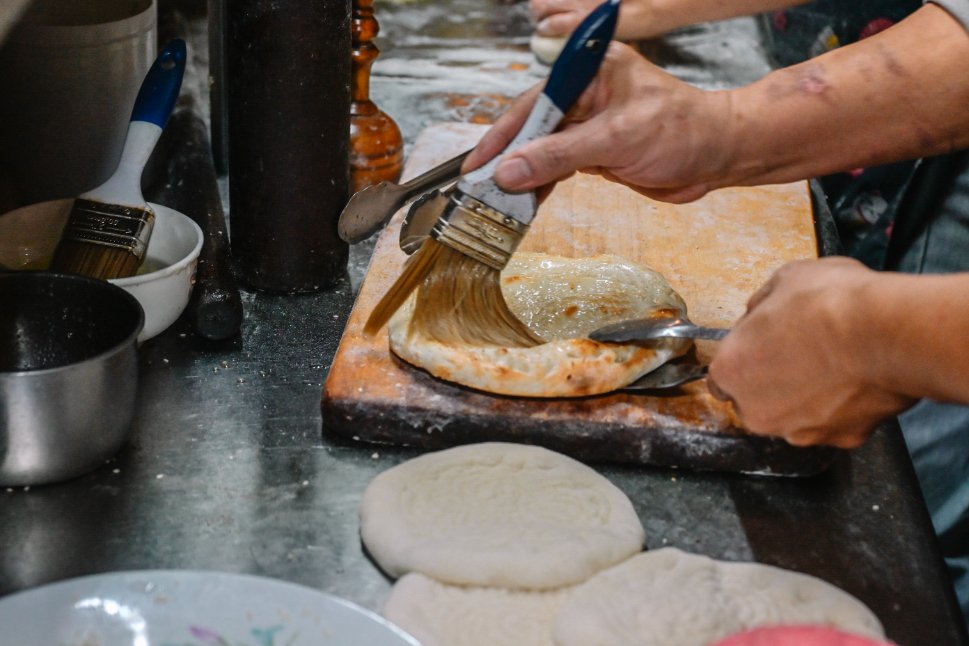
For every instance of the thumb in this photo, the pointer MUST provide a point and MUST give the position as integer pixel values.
(543, 161)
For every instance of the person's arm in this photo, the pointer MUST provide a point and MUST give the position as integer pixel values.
(896, 95)
(829, 348)
(646, 18)
(900, 94)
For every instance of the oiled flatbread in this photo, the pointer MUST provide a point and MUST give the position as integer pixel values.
(668, 597)
(560, 300)
(498, 514)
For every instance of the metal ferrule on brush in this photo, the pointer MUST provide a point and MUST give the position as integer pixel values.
(110, 225)
(478, 231)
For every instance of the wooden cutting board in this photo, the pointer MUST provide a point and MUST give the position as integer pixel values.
(715, 252)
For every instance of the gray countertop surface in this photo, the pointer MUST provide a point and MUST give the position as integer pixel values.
(228, 467)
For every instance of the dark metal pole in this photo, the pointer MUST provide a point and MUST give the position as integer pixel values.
(288, 97)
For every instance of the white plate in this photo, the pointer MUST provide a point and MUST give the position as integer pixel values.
(188, 608)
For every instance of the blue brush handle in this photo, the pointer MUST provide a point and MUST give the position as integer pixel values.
(571, 74)
(579, 61)
(159, 90)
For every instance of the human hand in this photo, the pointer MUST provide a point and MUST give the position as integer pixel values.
(556, 18)
(799, 364)
(635, 124)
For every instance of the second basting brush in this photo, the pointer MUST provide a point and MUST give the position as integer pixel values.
(457, 269)
(108, 228)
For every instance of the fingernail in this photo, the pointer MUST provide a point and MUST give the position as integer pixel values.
(513, 173)
(542, 27)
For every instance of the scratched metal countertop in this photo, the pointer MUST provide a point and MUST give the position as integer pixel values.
(228, 469)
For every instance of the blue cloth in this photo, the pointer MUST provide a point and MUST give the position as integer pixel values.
(883, 226)
(937, 434)
(862, 201)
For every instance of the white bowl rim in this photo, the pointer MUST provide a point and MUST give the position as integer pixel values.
(189, 577)
(173, 268)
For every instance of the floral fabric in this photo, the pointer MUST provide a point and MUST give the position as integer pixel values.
(863, 200)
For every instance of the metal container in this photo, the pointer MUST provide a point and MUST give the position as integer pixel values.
(68, 374)
(70, 72)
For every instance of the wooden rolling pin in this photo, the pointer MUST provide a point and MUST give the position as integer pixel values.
(187, 183)
(181, 175)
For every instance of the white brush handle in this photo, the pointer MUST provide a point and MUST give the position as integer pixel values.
(153, 105)
(124, 186)
(571, 74)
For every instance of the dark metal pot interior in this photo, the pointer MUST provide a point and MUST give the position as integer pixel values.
(51, 320)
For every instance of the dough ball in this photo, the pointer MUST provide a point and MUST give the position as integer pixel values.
(546, 48)
(560, 300)
(496, 514)
(438, 614)
(672, 598)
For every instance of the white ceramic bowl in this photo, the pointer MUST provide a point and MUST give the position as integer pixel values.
(160, 607)
(28, 236)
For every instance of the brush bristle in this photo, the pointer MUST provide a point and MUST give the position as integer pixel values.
(415, 269)
(459, 301)
(94, 260)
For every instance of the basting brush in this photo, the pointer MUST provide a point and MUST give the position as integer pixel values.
(108, 229)
(457, 269)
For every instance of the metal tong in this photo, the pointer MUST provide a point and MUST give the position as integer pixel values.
(370, 209)
(671, 374)
(648, 329)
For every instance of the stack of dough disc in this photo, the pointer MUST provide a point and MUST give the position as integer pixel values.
(492, 534)
(511, 544)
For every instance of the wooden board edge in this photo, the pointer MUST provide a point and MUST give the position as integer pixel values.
(736, 452)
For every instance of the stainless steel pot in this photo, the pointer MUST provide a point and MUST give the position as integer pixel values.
(68, 374)
(70, 72)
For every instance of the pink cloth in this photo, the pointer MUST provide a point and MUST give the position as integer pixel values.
(799, 636)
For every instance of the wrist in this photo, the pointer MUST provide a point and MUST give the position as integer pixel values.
(876, 325)
(727, 156)
(643, 19)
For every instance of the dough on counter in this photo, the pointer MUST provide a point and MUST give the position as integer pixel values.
(500, 515)
(547, 48)
(438, 614)
(560, 300)
(672, 598)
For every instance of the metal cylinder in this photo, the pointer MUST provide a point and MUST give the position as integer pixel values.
(71, 71)
(288, 97)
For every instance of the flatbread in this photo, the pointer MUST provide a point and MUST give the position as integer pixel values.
(672, 598)
(560, 300)
(438, 614)
(497, 514)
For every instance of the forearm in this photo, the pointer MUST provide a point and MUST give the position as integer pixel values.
(913, 334)
(900, 94)
(666, 15)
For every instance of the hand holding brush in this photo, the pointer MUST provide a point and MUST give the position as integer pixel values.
(109, 226)
(456, 271)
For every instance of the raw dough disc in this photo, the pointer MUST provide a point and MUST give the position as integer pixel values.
(560, 300)
(438, 614)
(496, 514)
(547, 48)
(672, 598)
